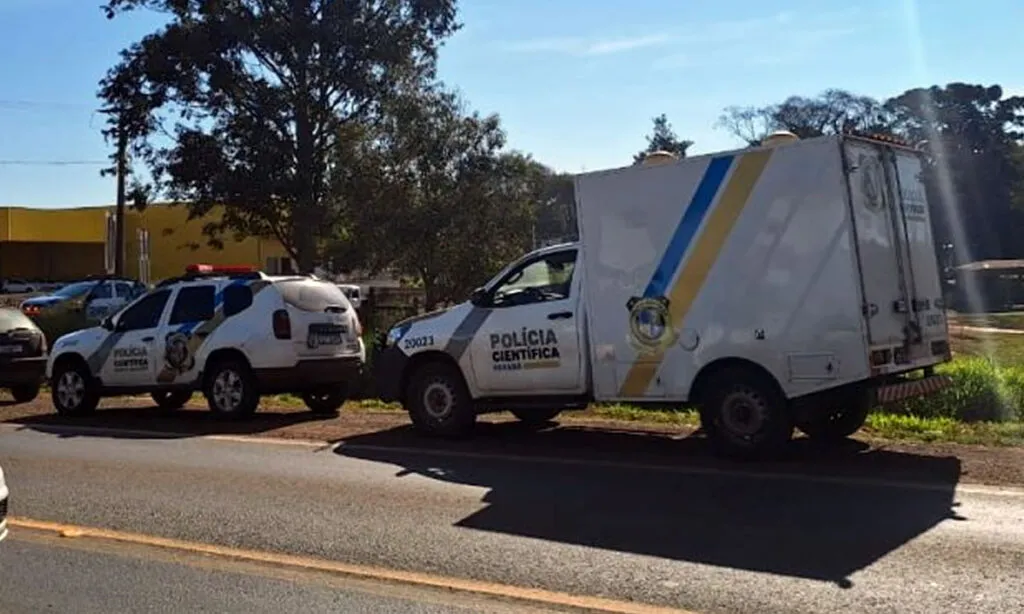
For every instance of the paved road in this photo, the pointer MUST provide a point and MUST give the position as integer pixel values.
(705, 542)
(46, 573)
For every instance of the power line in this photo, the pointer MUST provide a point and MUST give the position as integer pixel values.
(53, 162)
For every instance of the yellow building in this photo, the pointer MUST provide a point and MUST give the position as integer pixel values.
(65, 244)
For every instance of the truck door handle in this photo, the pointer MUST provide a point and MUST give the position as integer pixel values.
(560, 315)
(147, 339)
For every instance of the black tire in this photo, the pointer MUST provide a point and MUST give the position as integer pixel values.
(73, 389)
(438, 402)
(536, 417)
(230, 389)
(326, 401)
(834, 425)
(745, 415)
(171, 400)
(25, 393)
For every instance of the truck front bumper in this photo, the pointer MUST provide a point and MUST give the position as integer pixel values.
(901, 391)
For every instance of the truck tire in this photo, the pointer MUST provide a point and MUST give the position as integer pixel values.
(171, 400)
(25, 392)
(833, 425)
(230, 389)
(536, 417)
(744, 415)
(326, 401)
(438, 402)
(73, 390)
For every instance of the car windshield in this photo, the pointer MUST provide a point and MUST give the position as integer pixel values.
(75, 290)
(13, 318)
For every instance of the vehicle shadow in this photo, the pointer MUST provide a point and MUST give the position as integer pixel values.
(150, 422)
(820, 514)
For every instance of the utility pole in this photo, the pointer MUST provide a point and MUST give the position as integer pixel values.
(122, 170)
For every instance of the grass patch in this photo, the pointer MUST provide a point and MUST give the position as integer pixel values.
(944, 430)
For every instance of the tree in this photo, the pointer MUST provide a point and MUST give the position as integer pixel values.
(833, 111)
(663, 138)
(450, 205)
(972, 136)
(556, 209)
(259, 92)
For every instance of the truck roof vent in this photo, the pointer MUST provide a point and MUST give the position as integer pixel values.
(659, 157)
(778, 138)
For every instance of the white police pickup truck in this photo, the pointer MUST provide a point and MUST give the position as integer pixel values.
(774, 287)
(231, 332)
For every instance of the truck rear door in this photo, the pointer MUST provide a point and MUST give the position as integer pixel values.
(902, 289)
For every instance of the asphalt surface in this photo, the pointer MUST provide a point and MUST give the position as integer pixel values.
(710, 542)
(44, 573)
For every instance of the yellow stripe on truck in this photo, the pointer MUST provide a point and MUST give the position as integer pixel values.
(697, 266)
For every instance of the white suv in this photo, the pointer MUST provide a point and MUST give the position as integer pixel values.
(232, 333)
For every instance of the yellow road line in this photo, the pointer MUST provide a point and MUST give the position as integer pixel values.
(534, 595)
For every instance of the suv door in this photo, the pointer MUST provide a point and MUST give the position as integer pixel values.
(101, 301)
(530, 341)
(179, 341)
(132, 360)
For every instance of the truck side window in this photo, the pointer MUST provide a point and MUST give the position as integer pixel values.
(548, 278)
(193, 304)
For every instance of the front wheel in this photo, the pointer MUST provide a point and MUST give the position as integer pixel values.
(230, 389)
(74, 392)
(439, 403)
(171, 400)
(745, 415)
(326, 401)
(25, 393)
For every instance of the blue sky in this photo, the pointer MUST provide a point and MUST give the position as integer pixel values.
(576, 82)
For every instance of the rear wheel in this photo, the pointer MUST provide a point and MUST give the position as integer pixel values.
(74, 391)
(438, 401)
(171, 400)
(837, 423)
(230, 389)
(326, 401)
(745, 415)
(536, 417)
(25, 393)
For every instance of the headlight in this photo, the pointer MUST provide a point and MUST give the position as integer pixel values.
(393, 336)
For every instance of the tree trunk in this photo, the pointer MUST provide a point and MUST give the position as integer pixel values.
(304, 215)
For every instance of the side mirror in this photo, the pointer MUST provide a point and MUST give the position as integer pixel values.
(478, 297)
(108, 323)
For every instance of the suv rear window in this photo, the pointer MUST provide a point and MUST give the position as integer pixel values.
(13, 318)
(311, 295)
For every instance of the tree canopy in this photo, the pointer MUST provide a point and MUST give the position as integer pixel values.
(240, 104)
(662, 138)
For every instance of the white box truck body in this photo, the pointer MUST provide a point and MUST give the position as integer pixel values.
(793, 285)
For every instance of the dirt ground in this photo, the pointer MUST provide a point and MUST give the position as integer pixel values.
(576, 436)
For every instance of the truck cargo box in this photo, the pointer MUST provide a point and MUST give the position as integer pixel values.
(813, 260)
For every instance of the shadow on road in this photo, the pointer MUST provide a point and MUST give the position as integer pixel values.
(151, 422)
(764, 518)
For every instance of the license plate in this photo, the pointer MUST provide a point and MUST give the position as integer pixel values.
(10, 349)
(319, 339)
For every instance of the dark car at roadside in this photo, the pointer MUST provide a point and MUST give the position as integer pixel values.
(22, 355)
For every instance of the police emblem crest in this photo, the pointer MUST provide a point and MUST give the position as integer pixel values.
(650, 325)
(178, 356)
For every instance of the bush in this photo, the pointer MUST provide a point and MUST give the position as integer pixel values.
(982, 391)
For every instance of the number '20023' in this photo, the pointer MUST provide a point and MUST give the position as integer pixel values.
(419, 342)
